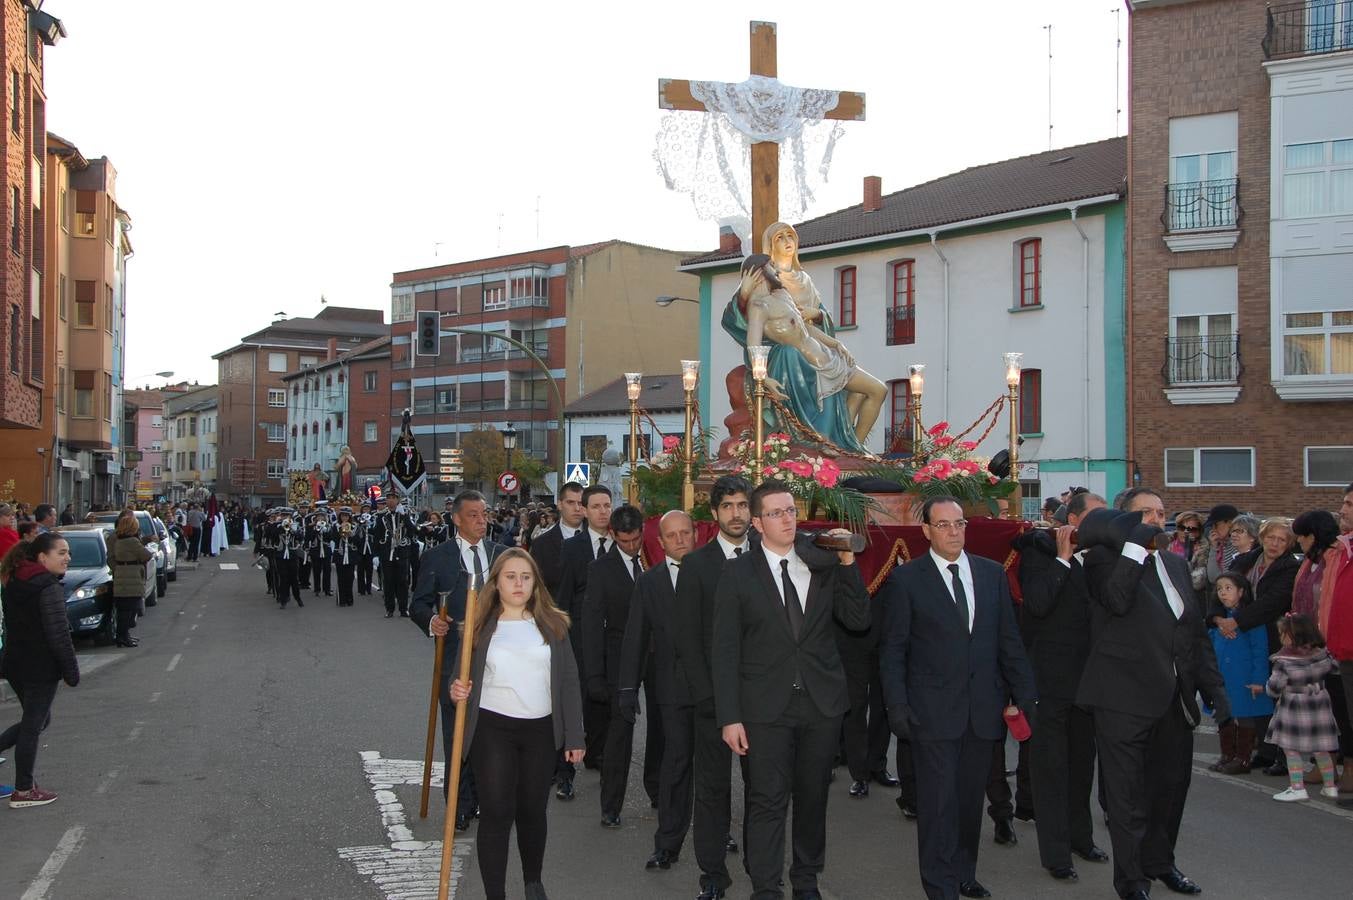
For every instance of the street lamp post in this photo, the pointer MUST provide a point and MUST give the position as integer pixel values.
(690, 377)
(758, 354)
(917, 389)
(633, 386)
(1012, 372)
(509, 444)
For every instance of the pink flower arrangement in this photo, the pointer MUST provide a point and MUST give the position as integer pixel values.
(670, 442)
(799, 467)
(938, 428)
(827, 474)
(943, 441)
(967, 467)
(967, 446)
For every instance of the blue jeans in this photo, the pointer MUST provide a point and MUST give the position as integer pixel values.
(36, 698)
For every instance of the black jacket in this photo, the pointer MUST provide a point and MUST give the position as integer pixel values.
(1142, 655)
(948, 678)
(37, 645)
(606, 610)
(546, 550)
(1054, 618)
(442, 569)
(755, 659)
(693, 621)
(576, 556)
(1272, 596)
(652, 621)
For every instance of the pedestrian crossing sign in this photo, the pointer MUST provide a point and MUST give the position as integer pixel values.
(579, 472)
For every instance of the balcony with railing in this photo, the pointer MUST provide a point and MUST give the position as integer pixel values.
(1202, 215)
(497, 352)
(900, 323)
(1203, 369)
(1308, 28)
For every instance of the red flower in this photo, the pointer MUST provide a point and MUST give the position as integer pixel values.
(798, 467)
(921, 476)
(670, 442)
(938, 429)
(942, 468)
(943, 441)
(828, 473)
(968, 467)
(969, 446)
(992, 479)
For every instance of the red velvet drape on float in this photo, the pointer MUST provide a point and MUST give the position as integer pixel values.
(889, 545)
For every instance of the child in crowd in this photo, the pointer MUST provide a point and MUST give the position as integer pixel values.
(1303, 723)
(1243, 661)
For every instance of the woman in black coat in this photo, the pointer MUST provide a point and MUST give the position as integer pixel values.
(38, 653)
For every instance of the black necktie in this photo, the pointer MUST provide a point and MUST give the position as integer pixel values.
(601, 547)
(478, 569)
(960, 596)
(737, 551)
(634, 564)
(793, 608)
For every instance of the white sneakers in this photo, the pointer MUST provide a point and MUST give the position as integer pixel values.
(1332, 792)
(1291, 795)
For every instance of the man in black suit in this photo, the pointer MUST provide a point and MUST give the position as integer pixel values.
(951, 655)
(865, 735)
(547, 549)
(576, 556)
(649, 654)
(453, 567)
(1150, 657)
(1056, 629)
(693, 628)
(606, 609)
(780, 686)
(393, 532)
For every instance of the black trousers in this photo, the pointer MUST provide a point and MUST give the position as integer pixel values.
(619, 750)
(865, 732)
(345, 573)
(303, 570)
(269, 571)
(950, 780)
(514, 759)
(596, 722)
(675, 784)
(126, 616)
(1062, 765)
(395, 584)
(712, 814)
(321, 571)
(999, 805)
(790, 758)
(364, 566)
(287, 580)
(35, 697)
(1146, 765)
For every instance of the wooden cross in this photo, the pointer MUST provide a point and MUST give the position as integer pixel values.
(676, 94)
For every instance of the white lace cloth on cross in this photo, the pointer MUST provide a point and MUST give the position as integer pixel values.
(708, 154)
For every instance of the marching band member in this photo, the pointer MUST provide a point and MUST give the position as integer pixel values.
(319, 544)
(347, 553)
(394, 531)
(366, 559)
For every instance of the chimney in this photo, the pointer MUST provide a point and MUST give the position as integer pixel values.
(333, 350)
(729, 242)
(873, 193)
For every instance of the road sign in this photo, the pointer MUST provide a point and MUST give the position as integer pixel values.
(579, 472)
(445, 478)
(375, 490)
(451, 470)
(449, 451)
(508, 482)
(1028, 471)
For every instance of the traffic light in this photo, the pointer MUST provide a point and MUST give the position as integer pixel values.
(429, 333)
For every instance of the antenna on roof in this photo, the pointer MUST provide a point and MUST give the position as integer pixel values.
(1048, 29)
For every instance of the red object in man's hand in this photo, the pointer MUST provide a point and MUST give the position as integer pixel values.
(1018, 725)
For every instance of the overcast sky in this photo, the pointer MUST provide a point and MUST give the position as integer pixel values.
(271, 153)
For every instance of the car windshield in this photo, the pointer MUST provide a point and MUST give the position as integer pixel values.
(85, 552)
(142, 519)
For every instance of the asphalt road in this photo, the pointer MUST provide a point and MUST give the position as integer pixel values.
(246, 751)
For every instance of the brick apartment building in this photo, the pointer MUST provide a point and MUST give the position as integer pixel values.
(1240, 270)
(587, 312)
(252, 405)
(342, 402)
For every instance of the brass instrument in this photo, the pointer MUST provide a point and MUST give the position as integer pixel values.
(346, 529)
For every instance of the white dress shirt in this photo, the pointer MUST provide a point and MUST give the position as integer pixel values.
(673, 567)
(467, 555)
(964, 575)
(1138, 553)
(629, 563)
(730, 550)
(798, 573)
(594, 536)
(565, 532)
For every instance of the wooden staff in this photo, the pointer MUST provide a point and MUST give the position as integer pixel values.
(457, 743)
(433, 708)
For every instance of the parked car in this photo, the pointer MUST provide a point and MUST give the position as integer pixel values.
(151, 536)
(88, 582)
(171, 548)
